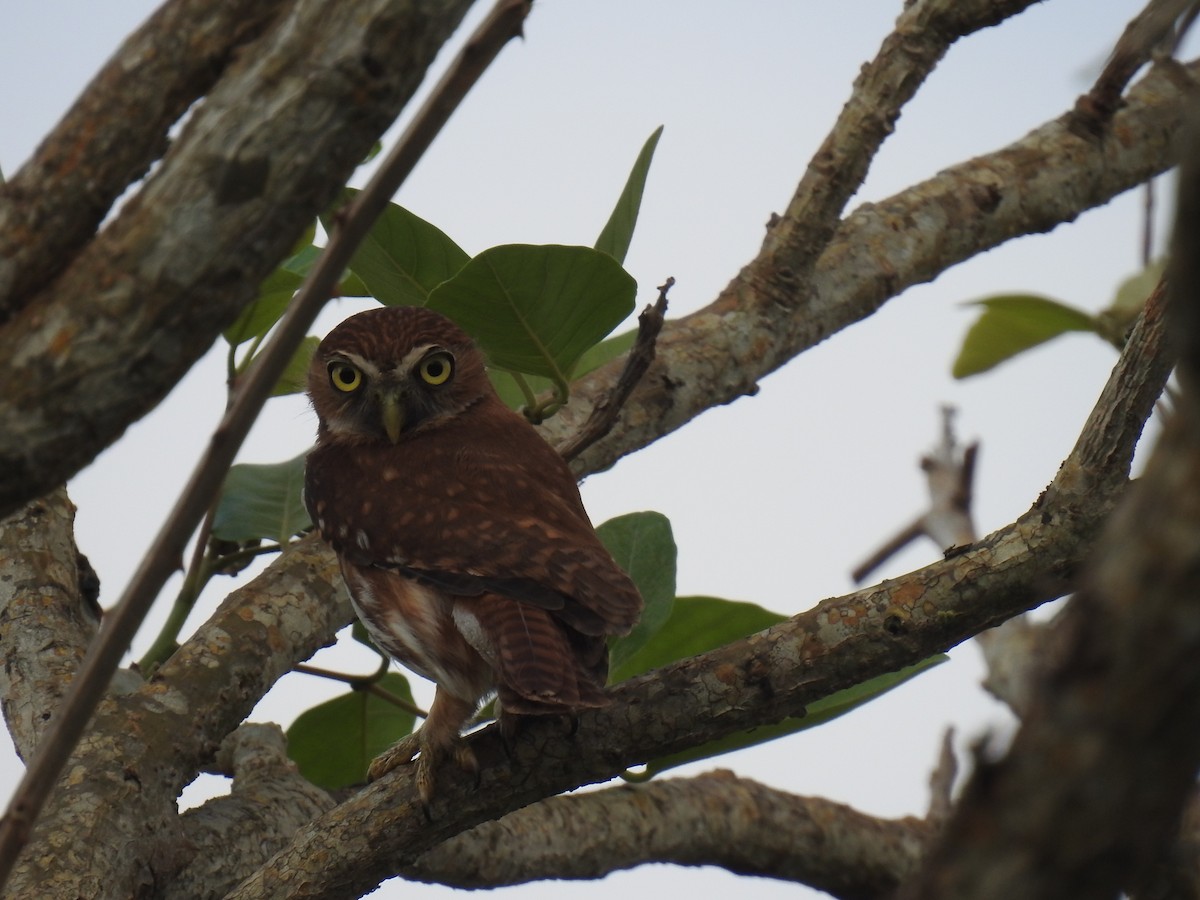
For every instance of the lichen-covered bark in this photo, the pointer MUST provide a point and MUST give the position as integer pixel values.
(112, 828)
(277, 136)
(54, 203)
(46, 620)
(714, 819)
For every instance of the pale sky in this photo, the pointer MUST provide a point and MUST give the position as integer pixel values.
(774, 498)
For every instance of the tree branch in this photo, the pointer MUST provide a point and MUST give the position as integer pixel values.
(142, 748)
(52, 206)
(268, 802)
(267, 151)
(45, 620)
(714, 819)
(923, 33)
(1093, 786)
(762, 320)
(248, 398)
(1142, 37)
(637, 361)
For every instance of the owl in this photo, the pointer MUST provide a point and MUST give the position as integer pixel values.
(460, 533)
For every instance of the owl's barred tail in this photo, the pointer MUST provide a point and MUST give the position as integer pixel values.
(543, 666)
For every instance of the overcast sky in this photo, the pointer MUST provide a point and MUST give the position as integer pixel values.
(773, 498)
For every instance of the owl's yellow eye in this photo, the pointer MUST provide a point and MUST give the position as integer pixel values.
(436, 368)
(345, 377)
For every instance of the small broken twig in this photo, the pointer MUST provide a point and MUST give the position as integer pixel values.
(947, 522)
(604, 414)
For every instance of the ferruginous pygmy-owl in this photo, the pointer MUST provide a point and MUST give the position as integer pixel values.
(460, 532)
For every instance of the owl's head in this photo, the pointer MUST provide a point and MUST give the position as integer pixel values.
(389, 372)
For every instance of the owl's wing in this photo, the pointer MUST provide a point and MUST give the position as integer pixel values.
(475, 516)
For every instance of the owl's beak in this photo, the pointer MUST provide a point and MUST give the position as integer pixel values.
(392, 413)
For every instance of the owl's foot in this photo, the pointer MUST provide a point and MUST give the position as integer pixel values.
(428, 756)
(431, 744)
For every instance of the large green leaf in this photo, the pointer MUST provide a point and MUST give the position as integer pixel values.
(696, 625)
(1011, 324)
(537, 309)
(262, 501)
(510, 392)
(700, 624)
(643, 545)
(404, 258)
(294, 379)
(333, 743)
(274, 295)
(818, 713)
(618, 231)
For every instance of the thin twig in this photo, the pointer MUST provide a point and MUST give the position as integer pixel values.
(161, 560)
(369, 683)
(948, 521)
(1145, 33)
(604, 414)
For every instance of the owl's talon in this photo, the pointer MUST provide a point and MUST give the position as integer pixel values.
(427, 756)
(399, 754)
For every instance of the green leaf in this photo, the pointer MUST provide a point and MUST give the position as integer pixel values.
(642, 544)
(1012, 324)
(333, 743)
(294, 379)
(403, 257)
(262, 501)
(819, 713)
(303, 261)
(1132, 293)
(618, 231)
(700, 624)
(601, 353)
(537, 309)
(274, 295)
(696, 625)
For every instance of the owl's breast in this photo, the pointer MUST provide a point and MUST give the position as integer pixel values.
(414, 624)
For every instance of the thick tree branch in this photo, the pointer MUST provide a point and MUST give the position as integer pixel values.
(144, 747)
(763, 319)
(1144, 35)
(923, 33)
(351, 227)
(54, 203)
(46, 621)
(764, 678)
(268, 149)
(268, 802)
(715, 819)
(1093, 786)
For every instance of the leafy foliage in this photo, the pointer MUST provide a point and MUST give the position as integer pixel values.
(262, 501)
(1012, 324)
(642, 544)
(334, 742)
(537, 309)
(404, 258)
(618, 230)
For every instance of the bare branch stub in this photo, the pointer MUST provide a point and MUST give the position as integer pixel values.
(1143, 36)
(948, 521)
(604, 414)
